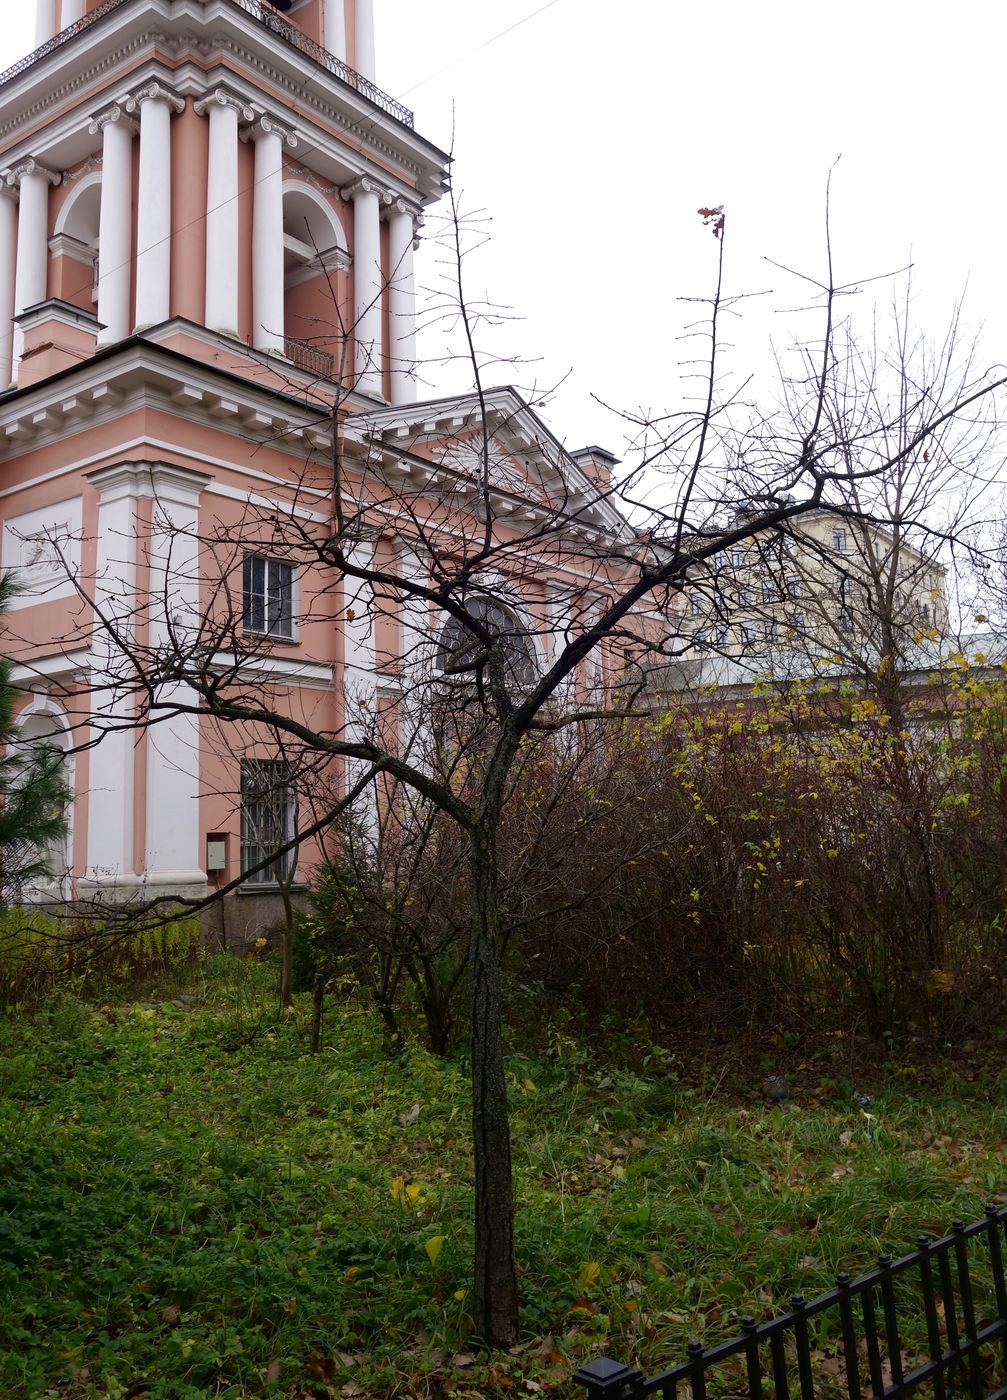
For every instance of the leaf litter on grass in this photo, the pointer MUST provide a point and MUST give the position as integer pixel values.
(268, 1226)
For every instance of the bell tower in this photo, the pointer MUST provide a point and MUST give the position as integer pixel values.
(208, 172)
(208, 213)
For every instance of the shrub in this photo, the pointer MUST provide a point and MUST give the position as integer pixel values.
(42, 953)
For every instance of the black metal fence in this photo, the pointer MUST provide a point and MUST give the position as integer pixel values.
(932, 1322)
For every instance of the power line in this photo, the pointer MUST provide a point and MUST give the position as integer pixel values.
(478, 48)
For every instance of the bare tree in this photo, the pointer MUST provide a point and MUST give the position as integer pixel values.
(860, 584)
(490, 591)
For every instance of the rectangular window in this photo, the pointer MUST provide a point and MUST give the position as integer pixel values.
(770, 629)
(697, 605)
(745, 596)
(747, 632)
(799, 623)
(267, 596)
(845, 619)
(794, 586)
(768, 591)
(268, 820)
(738, 558)
(839, 541)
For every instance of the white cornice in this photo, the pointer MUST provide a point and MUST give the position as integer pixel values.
(274, 668)
(144, 376)
(62, 245)
(208, 34)
(52, 666)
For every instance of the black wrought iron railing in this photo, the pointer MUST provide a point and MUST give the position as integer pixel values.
(933, 1323)
(260, 9)
(308, 357)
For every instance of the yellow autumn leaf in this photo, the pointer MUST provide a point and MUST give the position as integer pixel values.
(589, 1274)
(351, 1273)
(397, 1187)
(433, 1247)
(459, 1295)
(413, 1193)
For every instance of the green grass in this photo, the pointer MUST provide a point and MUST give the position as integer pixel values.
(192, 1205)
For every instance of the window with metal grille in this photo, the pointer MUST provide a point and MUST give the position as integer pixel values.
(268, 821)
(268, 596)
(463, 652)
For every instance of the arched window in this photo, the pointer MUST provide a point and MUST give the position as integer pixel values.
(463, 652)
(75, 243)
(45, 728)
(314, 246)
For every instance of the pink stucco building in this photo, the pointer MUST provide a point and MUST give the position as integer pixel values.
(207, 228)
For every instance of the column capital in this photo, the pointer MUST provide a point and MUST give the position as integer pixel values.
(154, 92)
(117, 114)
(25, 168)
(221, 97)
(265, 125)
(398, 205)
(148, 480)
(363, 184)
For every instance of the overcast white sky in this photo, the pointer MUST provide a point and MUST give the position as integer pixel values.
(591, 132)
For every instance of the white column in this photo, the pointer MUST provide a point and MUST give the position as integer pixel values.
(365, 39)
(402, 302)
(115, 223)
(172, 855)
(32, 262)
(334, 33)
(110, 790)
(45, 21)
(360, 688)
(267, 234)
(222, 208)
(8, 264)
(368, 281)
(71, 12)
(155, 104)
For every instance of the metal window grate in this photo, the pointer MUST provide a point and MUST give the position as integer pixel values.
(932, 1323)
(268, 821)
(262, 10)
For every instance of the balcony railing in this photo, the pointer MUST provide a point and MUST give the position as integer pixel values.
(308, 357)
(261, 10)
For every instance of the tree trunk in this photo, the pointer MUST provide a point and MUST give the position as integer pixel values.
(287, 952)
(317, 1003)
(495, 1298)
